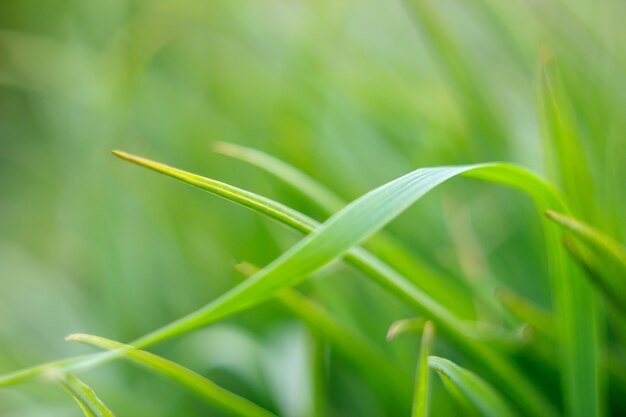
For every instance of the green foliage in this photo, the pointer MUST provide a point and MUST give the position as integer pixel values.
(420, 400)
(447, 291)
(348, 228)
(603, 258)
(470, 390)
(203, 387)
(322, 101)
(86, 398)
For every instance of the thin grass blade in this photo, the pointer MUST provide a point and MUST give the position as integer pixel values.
(420, 399)
(592, 237)
(316, 193)
(358, 221)
(204, 388)
(471, 389)
(453, 294)
(364, 217)
(600, 256)
(86, 398)
(348, 228)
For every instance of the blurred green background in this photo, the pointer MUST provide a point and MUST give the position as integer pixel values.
(354, 93)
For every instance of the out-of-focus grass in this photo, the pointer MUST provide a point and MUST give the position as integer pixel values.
(353, 94)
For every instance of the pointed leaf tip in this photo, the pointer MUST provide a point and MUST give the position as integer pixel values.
(74, 337)
(130, 157)
(225, 148)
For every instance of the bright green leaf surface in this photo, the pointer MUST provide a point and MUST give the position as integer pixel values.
(470, 389)
(86, 398)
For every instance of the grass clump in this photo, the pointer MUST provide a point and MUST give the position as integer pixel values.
(364, 135)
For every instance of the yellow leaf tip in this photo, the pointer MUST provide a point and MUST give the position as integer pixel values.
(402, 326)
(129, 157)
(225, 148)
(123, 155)
(74, 337)
(551, 214)
(392, 332)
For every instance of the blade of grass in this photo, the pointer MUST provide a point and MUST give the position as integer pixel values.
(597, 273)
(471, 389)
(203, 387)
(420, 394)
(591, 237)
(407, 325)
(420, 400)
(601, 256)
(284, 171)
(350, 227)
(315, 192)
(360, 220)
(450, 293)
(336, 237)
(86, 398)
(84, 408)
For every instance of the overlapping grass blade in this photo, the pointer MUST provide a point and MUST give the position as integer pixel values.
(333, 239)
(420, 400)
(450, 293)
(86, 398)
(579, 327)
(350, 227)
(317, 194)
(471, 390)
(591, 236)
(602, 256)
(364, 217)
(206, 389)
